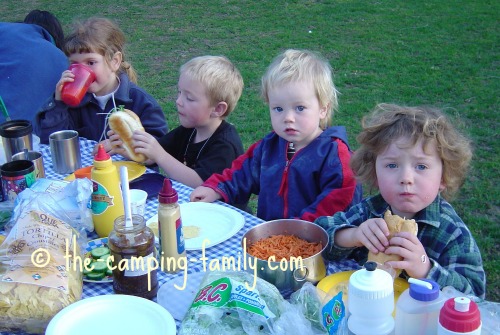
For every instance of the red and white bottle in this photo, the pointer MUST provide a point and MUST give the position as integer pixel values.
(459, 316)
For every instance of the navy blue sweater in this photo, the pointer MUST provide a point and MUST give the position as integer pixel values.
(89, 119)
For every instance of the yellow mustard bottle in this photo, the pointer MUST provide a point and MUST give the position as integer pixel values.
(106, 199)
(173, 252)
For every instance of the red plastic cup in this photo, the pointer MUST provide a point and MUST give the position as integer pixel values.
(73, 92)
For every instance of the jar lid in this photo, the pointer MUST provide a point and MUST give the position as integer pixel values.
(422, 293)
(371, 283)
(460, 315)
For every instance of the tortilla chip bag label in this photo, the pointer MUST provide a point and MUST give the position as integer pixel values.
(34, 251)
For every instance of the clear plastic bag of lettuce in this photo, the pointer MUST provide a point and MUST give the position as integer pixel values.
(239, 303)
(38, 272)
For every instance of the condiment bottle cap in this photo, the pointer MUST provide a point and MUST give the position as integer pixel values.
(101, 154)
(167, 195)
(460, 315)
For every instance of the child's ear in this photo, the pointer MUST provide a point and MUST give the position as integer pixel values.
(116, 61)
(442, 186)
(219, 109)
(323, 112)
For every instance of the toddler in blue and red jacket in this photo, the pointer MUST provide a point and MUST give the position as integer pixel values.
(301, 169)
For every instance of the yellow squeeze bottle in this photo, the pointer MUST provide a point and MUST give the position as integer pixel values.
(173, 252)
(106, 200)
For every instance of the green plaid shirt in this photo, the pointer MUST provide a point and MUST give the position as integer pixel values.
(453, 252)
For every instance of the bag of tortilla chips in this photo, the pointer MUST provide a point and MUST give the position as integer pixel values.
(38, 275)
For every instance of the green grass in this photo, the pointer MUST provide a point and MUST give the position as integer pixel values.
(440, 53)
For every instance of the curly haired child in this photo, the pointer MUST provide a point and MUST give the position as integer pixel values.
(417, 159)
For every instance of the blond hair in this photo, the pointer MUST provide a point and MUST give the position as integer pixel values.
(387, 123)
(303, 65)
(221, 79)
(102, 36)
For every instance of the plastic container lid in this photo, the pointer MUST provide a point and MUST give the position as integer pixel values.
(16, 128)
(371, 283)
(422, 293)
(460, 315)
(167, 195)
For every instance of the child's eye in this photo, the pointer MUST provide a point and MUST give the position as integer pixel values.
(392, 165)
(90, 63)
(300, 108)
(421, 167)
(278, 109)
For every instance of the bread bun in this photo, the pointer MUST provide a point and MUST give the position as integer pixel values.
(124, 122)
(396, 224)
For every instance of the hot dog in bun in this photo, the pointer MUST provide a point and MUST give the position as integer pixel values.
(396, 224)
(124, 122)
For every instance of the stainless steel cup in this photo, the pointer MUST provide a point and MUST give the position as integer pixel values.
(34, 156)
(16, 136)
(65, 151)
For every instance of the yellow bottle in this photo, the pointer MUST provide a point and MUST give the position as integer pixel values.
(106, 200)
(173, 253)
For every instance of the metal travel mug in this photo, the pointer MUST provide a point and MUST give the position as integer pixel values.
(16, 136)
(16, 177)
(65, 151)
(34, 156)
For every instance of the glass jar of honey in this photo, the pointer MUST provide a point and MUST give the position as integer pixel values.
(134, 258)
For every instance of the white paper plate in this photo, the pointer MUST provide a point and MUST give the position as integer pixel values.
(177, 301)
(112, 314)
(217, 223)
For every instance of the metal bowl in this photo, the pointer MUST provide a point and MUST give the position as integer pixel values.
(287, 275)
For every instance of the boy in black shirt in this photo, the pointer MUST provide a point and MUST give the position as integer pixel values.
(209, 88)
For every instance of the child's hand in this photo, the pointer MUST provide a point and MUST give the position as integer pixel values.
(66, 77)
(205, 194)
(146, 144)
(116, 144)
(373, 235)
(415, 260)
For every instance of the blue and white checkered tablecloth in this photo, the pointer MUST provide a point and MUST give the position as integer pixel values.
(228, 248)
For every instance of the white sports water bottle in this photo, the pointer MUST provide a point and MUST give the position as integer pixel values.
(417, 309)
(371, 301)
(459, 316)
